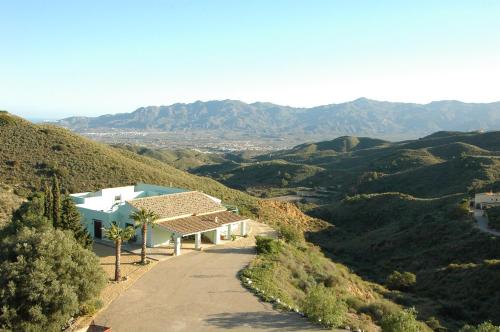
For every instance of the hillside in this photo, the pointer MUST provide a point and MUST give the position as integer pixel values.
(183, 159)
(433, 238)
(340, 144)
(31, 153)
(440, 164)
(359, 117)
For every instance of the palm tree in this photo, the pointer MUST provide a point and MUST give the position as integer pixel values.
(118, 234)
(142, 219)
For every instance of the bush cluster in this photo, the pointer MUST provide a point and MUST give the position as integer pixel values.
(267, 245)
(401, 281)
(401, 321)
(291, 234)
(484, 327)
(322, 305)
(494, 217)
(46, 276)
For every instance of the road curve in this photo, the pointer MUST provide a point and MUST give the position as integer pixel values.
(199, 291)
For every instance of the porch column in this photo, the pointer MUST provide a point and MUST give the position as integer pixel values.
(243, 228)
(177, 245)
(197, 241)
(228, 236)
(217, 236)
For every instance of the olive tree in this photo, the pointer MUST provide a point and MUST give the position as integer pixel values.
(46, 277)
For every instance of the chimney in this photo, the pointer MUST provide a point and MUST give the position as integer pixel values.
(216, 220)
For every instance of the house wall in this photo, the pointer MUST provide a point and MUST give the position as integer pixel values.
(120, 215)
(210, 235)
(105, 198)
(88, 217)
(154, 190)
(487, 199)
(234, 229)
(158, 236)
(102, 205)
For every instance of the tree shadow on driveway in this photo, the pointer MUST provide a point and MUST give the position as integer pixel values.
(265, 321)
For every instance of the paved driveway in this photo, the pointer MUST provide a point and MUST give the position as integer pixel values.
(199, 291)
(482, 223)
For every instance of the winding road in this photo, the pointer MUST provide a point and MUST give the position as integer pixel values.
(200, 291)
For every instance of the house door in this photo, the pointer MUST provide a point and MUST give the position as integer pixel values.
(98, 229)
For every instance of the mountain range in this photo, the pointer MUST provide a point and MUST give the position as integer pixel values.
(359, 117)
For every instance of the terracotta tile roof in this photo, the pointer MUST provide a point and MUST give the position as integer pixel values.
(178, 205)
(195, 224)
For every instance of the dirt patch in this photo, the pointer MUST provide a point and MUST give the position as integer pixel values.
(284, 213)
(129, 261)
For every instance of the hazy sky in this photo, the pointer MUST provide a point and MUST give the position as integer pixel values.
(60, 58)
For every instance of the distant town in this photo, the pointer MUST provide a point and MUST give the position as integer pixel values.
(204, 142)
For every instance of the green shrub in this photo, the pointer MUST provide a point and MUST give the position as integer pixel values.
(401, 281)
(402, 321)
(379, 309)
(460, 210)
(291, 234)
(494, 217)
(324, 306)
(355, 303)
(484, 327)
(45, 278)
(267, 245)
(91, 307)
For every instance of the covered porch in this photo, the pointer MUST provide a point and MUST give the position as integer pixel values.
(194, 231)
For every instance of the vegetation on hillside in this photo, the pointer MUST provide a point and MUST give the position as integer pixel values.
(31, 154)
(434, 166)
(493, 214)
(432, 239)
(183, 159)
(426, 249)
(295, 275)
(9, 202)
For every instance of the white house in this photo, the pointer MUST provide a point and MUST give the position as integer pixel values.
(485, 200)
(180, 213)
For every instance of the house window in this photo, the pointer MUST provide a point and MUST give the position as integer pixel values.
(118, 198)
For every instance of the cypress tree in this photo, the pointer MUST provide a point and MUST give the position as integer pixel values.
(71, 220)
(56, 202)
(49, 199)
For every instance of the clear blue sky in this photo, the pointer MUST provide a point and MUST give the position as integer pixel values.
(60, 58)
